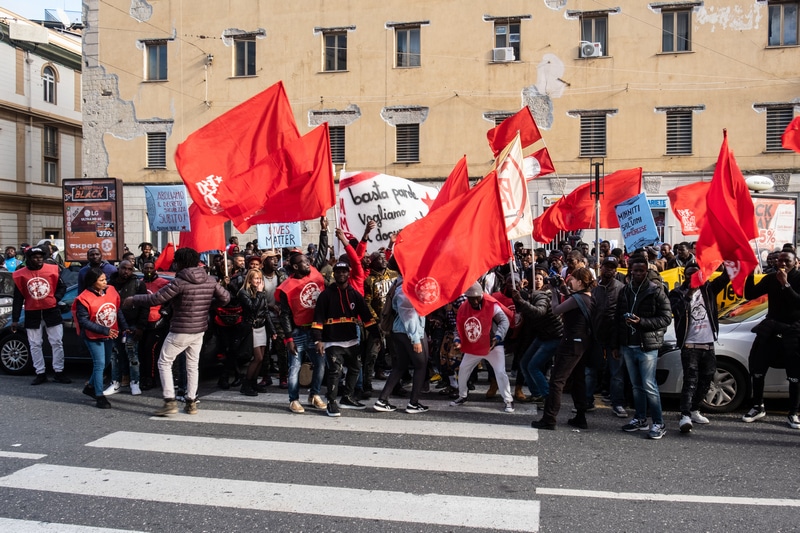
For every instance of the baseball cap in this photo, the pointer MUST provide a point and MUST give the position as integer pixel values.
(611, 260)
(33, 250)
(271, 253)
(341, 264)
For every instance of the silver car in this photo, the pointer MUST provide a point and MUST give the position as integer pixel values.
(731, 384)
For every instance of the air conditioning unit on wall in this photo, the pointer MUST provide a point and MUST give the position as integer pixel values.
(503, 54)
(591, 49)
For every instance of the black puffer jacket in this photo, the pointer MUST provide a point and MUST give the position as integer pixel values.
(652, 307)
(539, 317)
(604, 310)
(191, 294)
(255, 310)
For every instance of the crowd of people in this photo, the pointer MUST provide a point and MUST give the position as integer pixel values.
(567, 318)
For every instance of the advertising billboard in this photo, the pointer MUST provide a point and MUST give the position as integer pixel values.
(93, 218)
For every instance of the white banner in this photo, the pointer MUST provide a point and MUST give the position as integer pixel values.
(279, 235)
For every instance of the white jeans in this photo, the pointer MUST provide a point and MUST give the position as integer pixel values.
(174, 345)
(497, 358)
(55, 335)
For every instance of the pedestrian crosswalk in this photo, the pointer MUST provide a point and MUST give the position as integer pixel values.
(208, 435)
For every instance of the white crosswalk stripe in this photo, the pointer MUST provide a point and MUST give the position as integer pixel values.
(29, 526)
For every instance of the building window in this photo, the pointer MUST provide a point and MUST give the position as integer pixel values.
(335, 51)
(500, 117)
(156, 60)
(49, 84)
(595, 30)
(407, 143)
(679, 132)
(408, 46)
(593, 136)
(157, 150)
(244, 56)
(676, 31)
(778, 118)
(506, 35)
(337, 144)
(783, 22)
(50, 155)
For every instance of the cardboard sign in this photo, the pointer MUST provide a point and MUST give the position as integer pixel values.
(279, 235)
(636, 222)
(167, 207)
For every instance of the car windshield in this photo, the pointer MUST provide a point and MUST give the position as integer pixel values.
(744, 310)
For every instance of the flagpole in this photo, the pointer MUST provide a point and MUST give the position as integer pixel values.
(597, 192)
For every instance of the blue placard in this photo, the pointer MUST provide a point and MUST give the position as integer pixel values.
(279, 235)
(167, 207)
(636, 223)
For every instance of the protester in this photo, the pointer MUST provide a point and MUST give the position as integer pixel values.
(155, 332)
(95, 258)
(10, 262)
(146, 256)
(125, 356)
(376, 287)
(253, 298)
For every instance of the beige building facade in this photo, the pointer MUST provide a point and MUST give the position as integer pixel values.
(409, 87)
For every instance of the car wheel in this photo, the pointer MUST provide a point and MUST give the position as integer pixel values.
(15, 355)
(728, 390)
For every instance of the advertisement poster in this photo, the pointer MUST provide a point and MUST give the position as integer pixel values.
(775, 218)
(167, 207)
(93, 218)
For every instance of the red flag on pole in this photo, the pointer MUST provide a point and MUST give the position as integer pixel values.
(791, 136)
(730, 224)
(456, 184)
(688, 203)
(206, 232)
(164, 260)
(500, 136)
(617, 187)
(549, 223)
(538, 164)
(430, 251)
(234, 142)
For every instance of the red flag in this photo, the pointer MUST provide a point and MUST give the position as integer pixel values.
(791, 136)
(430, 251)
(233, 143)
(688, 203)
(166, 257)
(500, 136)
(730, 224)
(617, 187)
(549, 223)
(456, 184)
(538, 164)
(294, 183)
(206, 232)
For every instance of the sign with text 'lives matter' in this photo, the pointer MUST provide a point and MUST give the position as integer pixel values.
(279, 235)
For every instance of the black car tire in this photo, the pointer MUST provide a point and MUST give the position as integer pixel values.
(15, 354)
(729, 389)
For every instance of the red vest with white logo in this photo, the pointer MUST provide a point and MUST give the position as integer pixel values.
(102, 310)
(38, 286)
(301, 295)
(475, 327)
(508, 303)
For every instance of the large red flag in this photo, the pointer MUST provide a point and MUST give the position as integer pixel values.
(688, 203)
(164, 260)
(791, 136)
(431, 251)
(549, 223)
(500, 136)
(730, 224)
(294, 183)
(538, 164)
(231, 144)
(206, 232)
(578, 206)
(456, 184)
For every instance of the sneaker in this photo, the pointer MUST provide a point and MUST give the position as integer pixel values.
(657, 431)
(458, 402)
(435, 378)
(589, 408)
(698, 418)
(412, 408)
(315, 401)
(754, 414)
(619, 411)
(333, 408)
(61, 378)
(295, 407)
(190, 408)
(349, 403)
(112, 389)
(636, 425)
(102, 403)
(383, 406)
(509, 408)
(88, 390)
(135, 390)
(539, 400)
(170, 407)
(794, 421)
(606, 398)
(39, 379)
(686, 424)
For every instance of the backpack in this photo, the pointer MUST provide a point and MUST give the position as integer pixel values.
(388, 314)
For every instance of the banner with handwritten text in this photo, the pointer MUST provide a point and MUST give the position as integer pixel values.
(279, 235)
(636, 222)
(167, 207)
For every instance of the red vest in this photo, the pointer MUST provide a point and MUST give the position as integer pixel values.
(153, 287)
(508, 303)
(102, 310)
(475, 327)
(38, 286)
(301, 295)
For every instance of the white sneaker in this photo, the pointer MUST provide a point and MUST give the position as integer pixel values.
(698, 418)
(135, 390)
(794, 421)
(112, 389)
(686, 424)
(509, 408)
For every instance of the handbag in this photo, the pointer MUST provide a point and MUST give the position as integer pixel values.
(228, 316)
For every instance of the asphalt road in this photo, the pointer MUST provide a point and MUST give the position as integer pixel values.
(247, 464)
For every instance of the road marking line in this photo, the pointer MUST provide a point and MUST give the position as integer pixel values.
(443, 461)
(441, 509)
(22, 455)
(400, 426)
(30, 526)
(682, 498)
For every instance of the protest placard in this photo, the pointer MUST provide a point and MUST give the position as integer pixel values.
(636, 223)
(167, 207)
(279, 235)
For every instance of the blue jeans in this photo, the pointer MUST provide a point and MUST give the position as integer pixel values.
(304, 346)
(100, 350)
(127, 364)
(616, 368)
(642, 371)
(534, 363)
